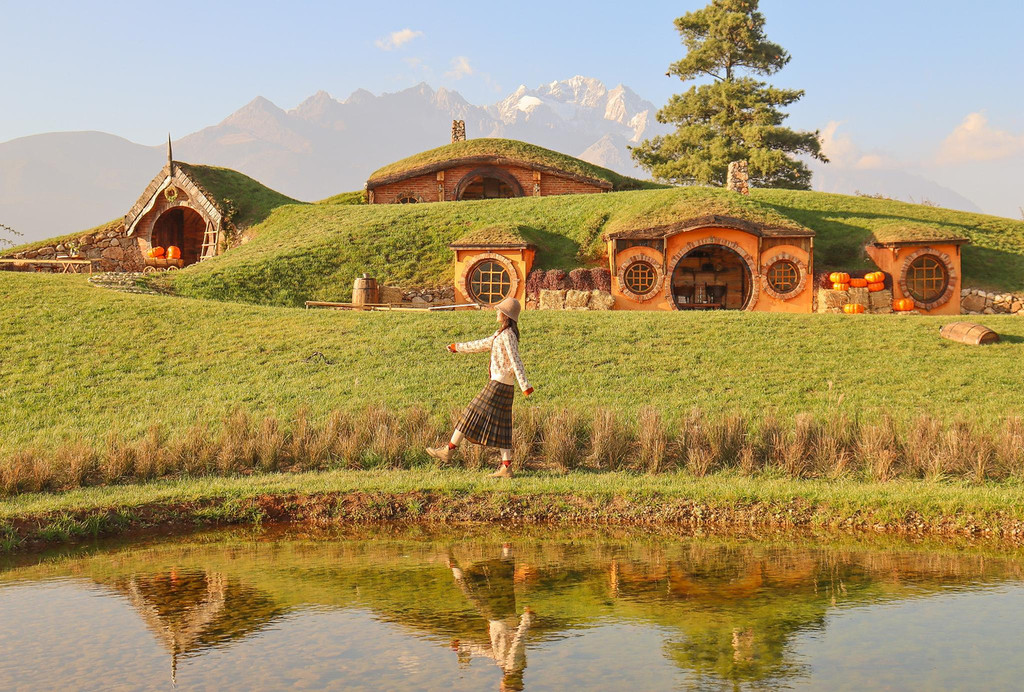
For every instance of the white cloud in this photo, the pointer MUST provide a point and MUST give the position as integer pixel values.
(843, 153)
(975, 140)
(460, 68)
(396, 39)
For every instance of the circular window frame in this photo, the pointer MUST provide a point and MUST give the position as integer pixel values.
(801, 268)
(755, 275)
(659, 277)
(475, 261)
(951, 278)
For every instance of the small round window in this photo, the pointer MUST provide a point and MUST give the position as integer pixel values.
(640, 277)
(407, 199)
(489, 282)
(784, 277)
(927, 278)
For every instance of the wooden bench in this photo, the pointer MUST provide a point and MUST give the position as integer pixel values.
(67, 265)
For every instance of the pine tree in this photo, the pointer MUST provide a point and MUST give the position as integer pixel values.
(733, 117)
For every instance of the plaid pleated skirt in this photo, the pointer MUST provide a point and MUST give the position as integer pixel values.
(487, 420)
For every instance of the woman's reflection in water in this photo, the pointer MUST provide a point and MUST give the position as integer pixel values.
(489, 586)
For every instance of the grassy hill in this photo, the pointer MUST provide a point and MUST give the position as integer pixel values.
(303, 252)
(79, 361)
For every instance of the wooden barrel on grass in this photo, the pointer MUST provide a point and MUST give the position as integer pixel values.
(364, 290)
(969, 333)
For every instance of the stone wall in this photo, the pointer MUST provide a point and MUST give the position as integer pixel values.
(110, 249)
(974, 301)
(575, 300)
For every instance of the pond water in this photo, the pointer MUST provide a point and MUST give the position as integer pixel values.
(523, 609)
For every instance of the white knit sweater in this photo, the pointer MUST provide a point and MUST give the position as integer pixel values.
(506, 365)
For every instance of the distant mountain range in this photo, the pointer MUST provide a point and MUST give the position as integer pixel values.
(61, 182)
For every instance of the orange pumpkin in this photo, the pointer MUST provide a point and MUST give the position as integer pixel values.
(839, 278)
(874, 277)
(853, 308)
(174, 252)
(876, 286)
(903, 304)
(840, 286)
(858, 283)
(156, 252)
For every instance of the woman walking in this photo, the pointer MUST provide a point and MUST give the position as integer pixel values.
(488, 419)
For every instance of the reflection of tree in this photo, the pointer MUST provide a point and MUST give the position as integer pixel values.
(190, 611)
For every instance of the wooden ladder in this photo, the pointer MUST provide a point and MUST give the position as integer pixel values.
(209, 243)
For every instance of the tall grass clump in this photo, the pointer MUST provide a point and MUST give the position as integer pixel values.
(878, 449)
(651, 440)
(610, 441)
(562, 442)
(833, 446)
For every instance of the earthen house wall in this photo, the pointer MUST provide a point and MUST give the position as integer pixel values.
(894, 261)
(442, 185)
(745, 244)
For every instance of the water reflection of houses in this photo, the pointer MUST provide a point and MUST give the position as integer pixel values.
(191, 611)
(730, 611)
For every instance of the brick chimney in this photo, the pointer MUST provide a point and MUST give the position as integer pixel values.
(737, 178)
(458, 131)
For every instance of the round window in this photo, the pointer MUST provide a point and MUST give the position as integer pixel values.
(408, 198)
(927, 278)
(640, 277)
(489, 282)
(783, 276)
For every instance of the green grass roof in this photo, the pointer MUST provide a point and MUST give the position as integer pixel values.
(904, 232)
(689, 205)
(252, 200)
(511, 149)
(498, 235)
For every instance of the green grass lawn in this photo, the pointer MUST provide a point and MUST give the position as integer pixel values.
(361, 497)
(310, 252)
(77, 361)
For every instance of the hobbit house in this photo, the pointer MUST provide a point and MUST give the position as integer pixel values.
(488, 169)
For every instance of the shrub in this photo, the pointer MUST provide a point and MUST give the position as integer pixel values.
(581, 279)
(601, 278)
(556, 280)
(534, 283)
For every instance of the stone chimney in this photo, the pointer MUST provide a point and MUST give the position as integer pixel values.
(737, 178)
(458, 131)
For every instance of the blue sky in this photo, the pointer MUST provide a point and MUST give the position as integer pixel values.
(926, 86)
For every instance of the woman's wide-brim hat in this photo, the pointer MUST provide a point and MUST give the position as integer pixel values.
(509, 307)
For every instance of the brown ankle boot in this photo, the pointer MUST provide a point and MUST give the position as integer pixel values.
(440, 453)
(502, 472)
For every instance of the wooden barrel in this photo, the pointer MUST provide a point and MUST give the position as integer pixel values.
(364, 290)
(969, 333)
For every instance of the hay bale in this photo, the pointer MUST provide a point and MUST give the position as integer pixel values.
(858, 296)
(551, 300)
(390, 294)
(601, 300)
(577, 300)
(832, 301)
(880, 302)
